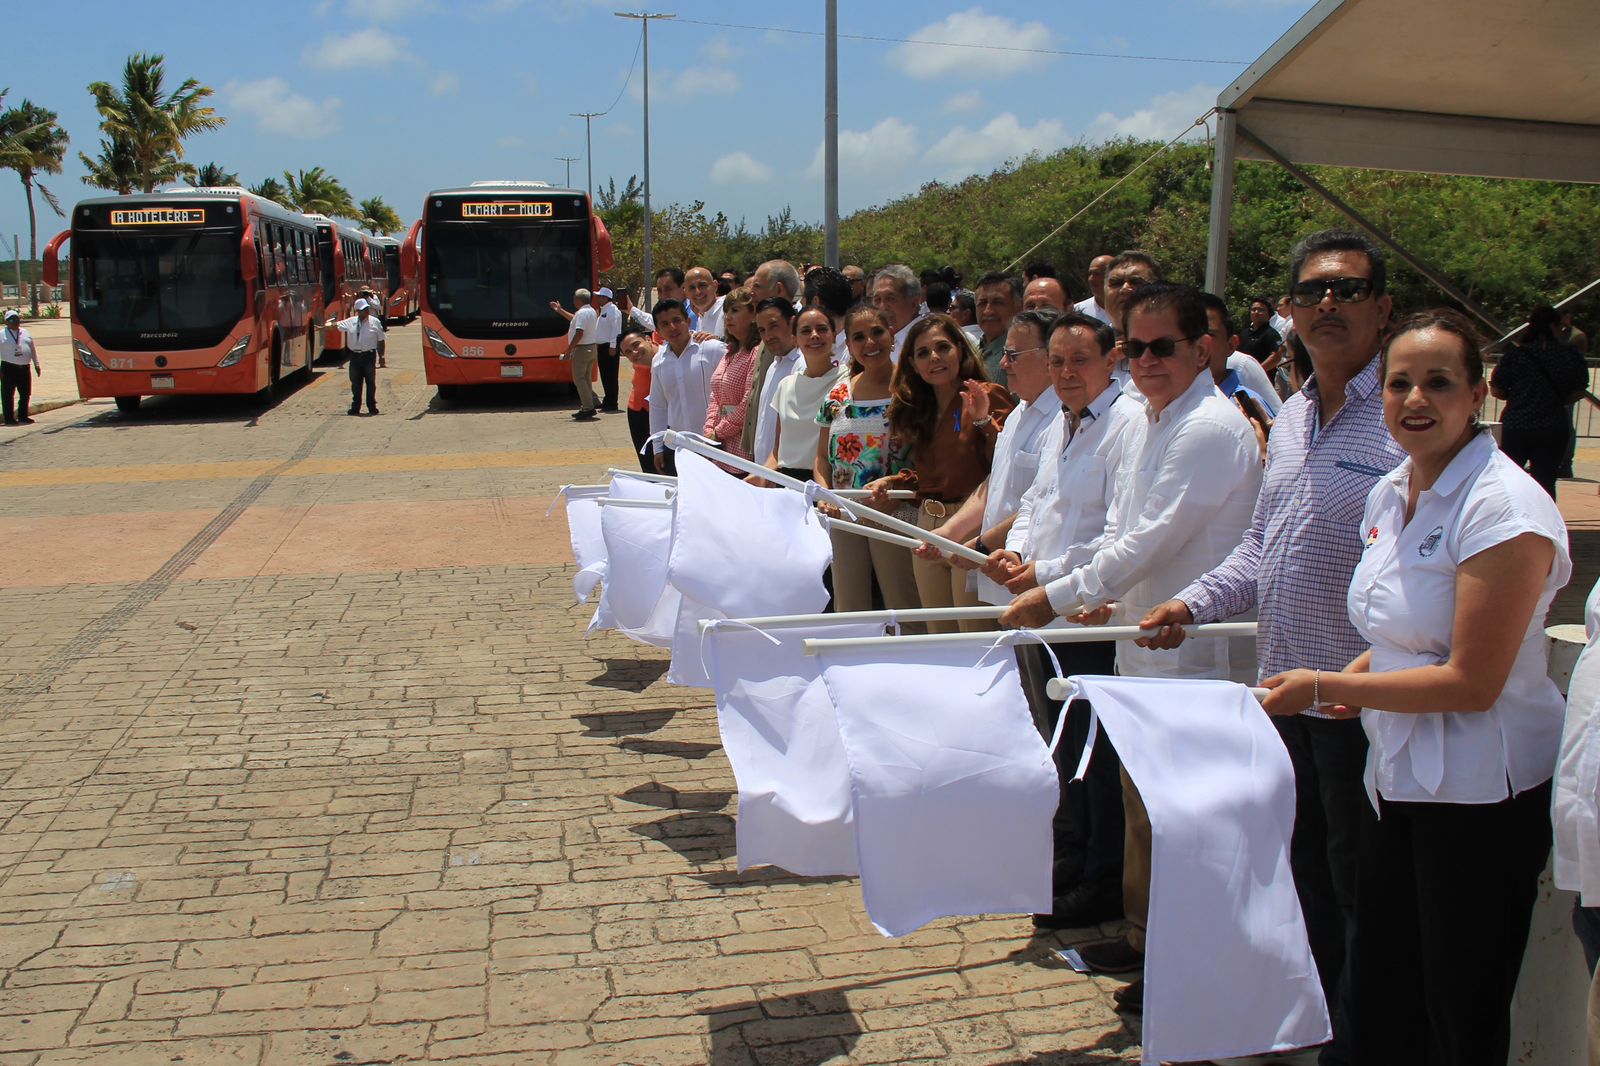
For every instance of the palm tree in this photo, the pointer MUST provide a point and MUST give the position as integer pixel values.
(212, 176)
(114, 168)
(316, 191)
(378, 217)
(149, 121)
(31, 144)
(272, 189)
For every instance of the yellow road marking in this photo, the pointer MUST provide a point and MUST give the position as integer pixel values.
(386, 464)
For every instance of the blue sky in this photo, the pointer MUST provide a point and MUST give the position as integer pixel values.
(396, 97)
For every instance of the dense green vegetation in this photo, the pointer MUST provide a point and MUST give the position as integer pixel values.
(1508, 244)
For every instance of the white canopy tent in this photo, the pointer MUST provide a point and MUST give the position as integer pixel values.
(1477, 87)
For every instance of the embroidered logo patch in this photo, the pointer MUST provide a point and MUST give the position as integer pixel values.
(1372, 536)
(1430, 543)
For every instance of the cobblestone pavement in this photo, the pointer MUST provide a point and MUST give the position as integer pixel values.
(303, 759)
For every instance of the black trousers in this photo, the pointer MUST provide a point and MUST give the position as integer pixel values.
(607, 360)
(1539, 452)
(1329, 758)
(639, 431)
(364, 371)
(1444, 902)
(16, 387)
(1088, 826)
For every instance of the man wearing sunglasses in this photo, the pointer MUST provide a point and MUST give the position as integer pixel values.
(1328, 447)
(1186, 485)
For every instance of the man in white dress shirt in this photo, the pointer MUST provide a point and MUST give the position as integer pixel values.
(704, 301)
(1186, 489)
(898, 294)
(17, 353)
(1095, 305)
(364, 341)
(680, 380)
(608, 327)
(582, 350)
(775, 322)
(774, 279)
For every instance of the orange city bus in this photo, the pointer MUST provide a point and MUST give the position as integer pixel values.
(491, 257)
(343, 253)
(400, 302)
(188, 291)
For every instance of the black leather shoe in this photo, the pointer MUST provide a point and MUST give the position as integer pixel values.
(1089, 903)
(373, 411)
(1130, 997)
(584, 415)
(1111, 956)
(353, 411)
(26, 421)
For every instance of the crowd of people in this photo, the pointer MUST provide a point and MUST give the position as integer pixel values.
(1138, 457)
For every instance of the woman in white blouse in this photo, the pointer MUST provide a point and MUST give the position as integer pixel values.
(1464, 553)
(800, 396)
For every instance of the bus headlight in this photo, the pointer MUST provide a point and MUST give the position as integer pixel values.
(86, 357)
(440, 348)
(235, 353)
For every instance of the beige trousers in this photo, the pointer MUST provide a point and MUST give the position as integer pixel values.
(940, 584)
(1136, 844)
(584, 357)
(856, 560)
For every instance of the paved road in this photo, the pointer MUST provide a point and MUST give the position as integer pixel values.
(303, 760)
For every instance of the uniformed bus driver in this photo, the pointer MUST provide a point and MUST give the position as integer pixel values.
(363, 339)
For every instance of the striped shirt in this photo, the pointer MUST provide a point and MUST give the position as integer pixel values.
(1305, 539)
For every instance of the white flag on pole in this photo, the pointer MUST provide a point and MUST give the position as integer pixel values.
(781, 737)
(953, 787)
(1228, 968)
(636, 598)
(583, 530)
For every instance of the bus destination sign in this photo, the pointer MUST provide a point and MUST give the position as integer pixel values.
(508, 209)
(159, 216)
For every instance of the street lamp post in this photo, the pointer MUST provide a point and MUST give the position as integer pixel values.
(830, 138)
(568, 160)
(588, 143)
(645, 18)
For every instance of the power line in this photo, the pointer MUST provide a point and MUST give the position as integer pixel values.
(625, 81)
(963, 44)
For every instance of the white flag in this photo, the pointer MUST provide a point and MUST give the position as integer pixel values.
(636, 598)
(780, 735)
(583, 530)
(953, 788)
(1228, 969)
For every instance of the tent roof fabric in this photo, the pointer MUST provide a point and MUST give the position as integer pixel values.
(1480, 87)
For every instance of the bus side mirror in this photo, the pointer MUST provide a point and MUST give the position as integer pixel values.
(408, 253)
(602, 244)
(52, 260)
(248, 263)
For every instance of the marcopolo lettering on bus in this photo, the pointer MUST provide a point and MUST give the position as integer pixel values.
(146, 216)
(508, 209)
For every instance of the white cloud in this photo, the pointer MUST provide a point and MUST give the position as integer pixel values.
(509, 141)
(679, 85)
(738, 169)
(961, 151)
(446, 83)
(884, 148)
(276, 109)
(967, 103)
(1162, 119)
(718, 50)
(363, 49)
(928, 54)
(384, 10)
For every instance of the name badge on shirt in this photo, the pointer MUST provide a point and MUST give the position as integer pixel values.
(1430, 543)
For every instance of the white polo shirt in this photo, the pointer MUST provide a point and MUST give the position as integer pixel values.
(609, 325)
(586, 320)
(1092, 308)
(766, 414)
(1402, 601)
(1016, 461)
(362, 336)
(680, 387)
(17, 347)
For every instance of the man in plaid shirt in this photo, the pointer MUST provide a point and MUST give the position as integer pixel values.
(1328, 448)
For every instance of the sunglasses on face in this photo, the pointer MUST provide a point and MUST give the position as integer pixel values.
(1127, 281)
(1011, 355)
(1162, 348)
(1343, 290)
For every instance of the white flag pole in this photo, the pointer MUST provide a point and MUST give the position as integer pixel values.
(642, 476)
(911, 614)
(1078, 635)
(675, 439)
(871, 532)
(1060, 688)
(652, 505)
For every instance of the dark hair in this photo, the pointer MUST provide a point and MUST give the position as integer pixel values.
(937, 296)
(1135, 255)
(738, 278)
(1543, 322)
(669, 272)
(1039, 268)
(913, 405)
(1216, 303)
(966, 302)
(1263, 300)
(823, 311)
(929, 276)
(1341, 240)
(1103, 335)
(740, 298)
(778, 303)
(1303, 366)
(665, 306)
(1010, 281)
(724, 286)
(1185, 300)
(1469, 341)
(950, 276)
(1040, 318)
(829, 289)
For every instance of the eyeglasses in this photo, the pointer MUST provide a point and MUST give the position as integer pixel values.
(1127, 281)
(1344, 291)
(1011, 355)
(1163, 348)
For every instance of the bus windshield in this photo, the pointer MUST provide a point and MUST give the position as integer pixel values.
(141, 292)
(391, 263)
(489, 280)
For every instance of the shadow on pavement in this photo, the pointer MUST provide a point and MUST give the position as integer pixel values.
(624, 723)
(802, 1028)
(630, 675)
(198, 410)
(666, 797)
(681, 749)
(698, 836)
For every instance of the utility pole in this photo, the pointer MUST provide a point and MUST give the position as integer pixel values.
(830, 140)
(568, 160)
(645, 18)
(588, 143)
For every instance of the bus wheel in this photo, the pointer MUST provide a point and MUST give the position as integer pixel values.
(449, 394)
(128, 404)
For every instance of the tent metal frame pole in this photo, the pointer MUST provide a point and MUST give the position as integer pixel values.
(1220, 235)
(1373, 228)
